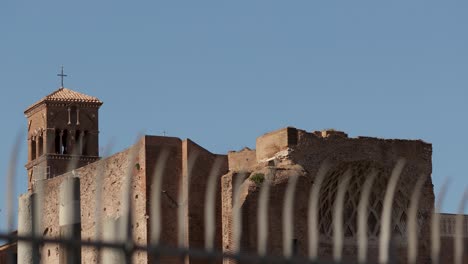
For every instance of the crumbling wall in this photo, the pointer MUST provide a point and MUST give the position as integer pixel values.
(271, 143)
(312, 151)
(290, 146)
(244, 159)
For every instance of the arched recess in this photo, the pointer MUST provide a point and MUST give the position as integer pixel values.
(360, 170)
(33, 147)
(41, 143)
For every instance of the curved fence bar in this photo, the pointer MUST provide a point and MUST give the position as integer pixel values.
(459, 232)
(362, 217)
(412, 220)
(387, 212)
(262, 219)
(288, 217)
(312, 214)
(435, 224)
(338, 217)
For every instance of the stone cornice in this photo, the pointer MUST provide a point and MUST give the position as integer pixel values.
(60, 157)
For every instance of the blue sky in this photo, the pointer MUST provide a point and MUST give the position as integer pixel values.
(224, 72)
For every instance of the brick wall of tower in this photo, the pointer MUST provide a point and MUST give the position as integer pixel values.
(36, 125)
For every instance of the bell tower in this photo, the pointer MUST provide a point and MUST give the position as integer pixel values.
(63, 134)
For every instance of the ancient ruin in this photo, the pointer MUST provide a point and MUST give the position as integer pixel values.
(65, 167)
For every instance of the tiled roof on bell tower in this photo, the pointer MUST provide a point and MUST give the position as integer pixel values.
(66, 95)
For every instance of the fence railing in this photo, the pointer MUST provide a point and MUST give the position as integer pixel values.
(114, 240)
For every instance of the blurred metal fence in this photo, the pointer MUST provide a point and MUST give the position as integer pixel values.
(119, 247)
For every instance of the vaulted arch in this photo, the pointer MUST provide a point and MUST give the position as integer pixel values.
(360, 170)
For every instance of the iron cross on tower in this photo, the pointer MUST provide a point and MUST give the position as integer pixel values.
(61, 75)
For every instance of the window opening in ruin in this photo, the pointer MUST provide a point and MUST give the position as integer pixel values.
(33, 148)
(64, 147)
(292, 136)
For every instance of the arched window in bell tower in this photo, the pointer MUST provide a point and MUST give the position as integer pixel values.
(33, 148)
(41, 144)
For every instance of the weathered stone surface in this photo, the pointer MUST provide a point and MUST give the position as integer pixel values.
(289, 151)
(63, 135)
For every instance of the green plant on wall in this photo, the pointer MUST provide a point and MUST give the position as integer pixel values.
(257, 178)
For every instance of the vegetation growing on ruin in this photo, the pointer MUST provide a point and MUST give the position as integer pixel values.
(257, 178)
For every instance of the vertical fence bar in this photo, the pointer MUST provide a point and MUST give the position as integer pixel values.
(237, 213)
(435, 224)
(183, 200)
(25, 220)
(36, 212)
(362, 217)
(112, 233)
(210, 198)
(384, 239)
(126, 219)
(459, 230)
(412, 223)
(338, 217)
(11, 189)
(262, 217)
(100, 175)
(155, 210)
(288, 217)
(69, 219)
(312, 214)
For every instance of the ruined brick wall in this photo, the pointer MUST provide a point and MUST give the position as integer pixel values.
(312, 150)
(242, 160)
(449, 234)
(447, 250)
(172, 176)
(289, 147)
(227, 194)
(270, 143)
(114, 168)
(275, 213)
(199, 175)
(174, 179)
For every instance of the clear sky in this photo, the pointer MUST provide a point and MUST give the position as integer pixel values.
(224, 72)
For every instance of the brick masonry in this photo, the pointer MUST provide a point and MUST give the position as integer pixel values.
(278, 156)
